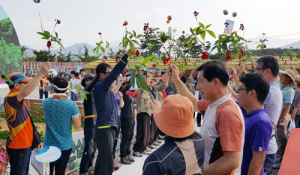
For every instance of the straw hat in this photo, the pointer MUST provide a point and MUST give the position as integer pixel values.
(175, 116)
(289, 73)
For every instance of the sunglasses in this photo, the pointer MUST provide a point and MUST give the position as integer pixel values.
(23, 82)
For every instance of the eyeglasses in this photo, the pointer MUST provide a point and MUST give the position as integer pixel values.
(241, 89)
(260, 68)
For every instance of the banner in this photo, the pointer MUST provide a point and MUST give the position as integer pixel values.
(34, 67)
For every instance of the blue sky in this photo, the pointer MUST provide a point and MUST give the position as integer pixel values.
(3, 15)
(82, 20)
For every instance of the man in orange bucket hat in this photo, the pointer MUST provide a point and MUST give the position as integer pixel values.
(183, 150)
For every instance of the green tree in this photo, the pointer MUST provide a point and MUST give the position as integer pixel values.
(86, 57)
(149, 34)
(23, 49)
(43, 56)
(10, 57)
(64, 58)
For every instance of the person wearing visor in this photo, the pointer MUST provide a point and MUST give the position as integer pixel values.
(60, 114)
(20, 140)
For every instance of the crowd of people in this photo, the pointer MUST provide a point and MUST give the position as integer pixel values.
(246, 116)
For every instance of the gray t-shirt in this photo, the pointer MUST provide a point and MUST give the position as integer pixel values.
(296, 102)
(273, 105)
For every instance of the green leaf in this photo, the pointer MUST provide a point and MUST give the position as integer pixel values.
(153, 41)
(140, 35)
(211, 33)
(132, 80)
(97, 51)
(190, 44)
(141, 82)
(147, 59)
(155, 68)
(130, 72)
(224, 46)
(155, 49)
(131, 46)
(201, 25)
(208, 26)
(203, 35)
(56, 34)
(125, 42)
(103, 50)
(191, 30)
(134, 33)
(136, 42)
(107, 44)
(186, 41)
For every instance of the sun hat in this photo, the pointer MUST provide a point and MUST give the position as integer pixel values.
(87, 76)
(15, 77)
(297, 78)
(289, 73)
(175, 116)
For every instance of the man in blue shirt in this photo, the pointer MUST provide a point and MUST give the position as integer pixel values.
(107, 116)
(258, 128)
(60, 114)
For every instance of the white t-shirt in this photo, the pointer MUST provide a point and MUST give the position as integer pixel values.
(74, 82)
(273, 105)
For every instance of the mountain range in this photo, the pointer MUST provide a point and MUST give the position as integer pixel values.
(78, 48)
(75, 49)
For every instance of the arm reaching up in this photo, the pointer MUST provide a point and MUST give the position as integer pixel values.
(30, 87)
(180, 86)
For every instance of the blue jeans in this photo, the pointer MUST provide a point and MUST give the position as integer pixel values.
(270, 160)
(74, 96)
(297, 121)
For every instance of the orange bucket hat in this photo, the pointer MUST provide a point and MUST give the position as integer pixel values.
(175, 116)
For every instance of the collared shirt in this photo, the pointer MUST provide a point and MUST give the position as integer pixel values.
(258, 131)
(175, 157)
(288, 94)
(223, 129)
(18, 121)
(59, 112)
(273, 106)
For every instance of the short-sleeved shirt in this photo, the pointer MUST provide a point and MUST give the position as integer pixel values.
(58, 115)
(273, 106)
(296, 102)
(223, 129)
(288, 94)
(18, 122)
(177, 157)
(258, 130)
